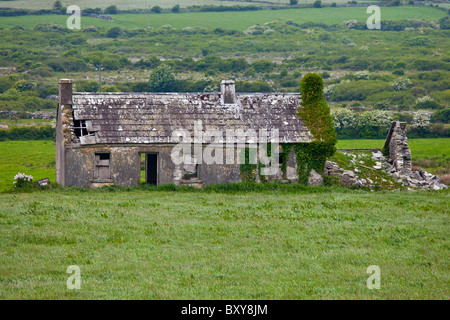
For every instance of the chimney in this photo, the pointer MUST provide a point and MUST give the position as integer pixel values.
(65, 92)
(65, 102)
(228, 92)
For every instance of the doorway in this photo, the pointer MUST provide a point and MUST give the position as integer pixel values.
(151, 168)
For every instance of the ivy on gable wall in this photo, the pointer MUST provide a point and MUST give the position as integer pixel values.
(315, 113)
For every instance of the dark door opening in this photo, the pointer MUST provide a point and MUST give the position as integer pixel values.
(151, 168)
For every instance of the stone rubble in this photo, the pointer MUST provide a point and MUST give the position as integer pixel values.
(416, 179)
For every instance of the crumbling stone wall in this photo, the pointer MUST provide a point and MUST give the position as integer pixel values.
(399, 152)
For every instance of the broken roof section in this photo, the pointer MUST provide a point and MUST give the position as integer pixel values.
(117, 118)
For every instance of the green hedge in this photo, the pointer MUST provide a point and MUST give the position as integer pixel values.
(28, 133)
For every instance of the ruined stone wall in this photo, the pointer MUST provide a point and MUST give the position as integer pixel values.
(125, 166)
(399, 152)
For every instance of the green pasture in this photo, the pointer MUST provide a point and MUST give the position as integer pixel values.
(311, 244)
(145, 4)
(232, 20)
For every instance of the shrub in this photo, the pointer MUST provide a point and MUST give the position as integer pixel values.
(176, 8)
(21, 180)
(156, 9)
(421, 122)
(401, 84)
(162, 79)
(114, 32)
(152, 62)
(263, 66)
(427, 102)
(28, 133)
(398, 72)
(111, 10)
(57, 6)
(253, 86)
(442, 116)
(358, 90)
(86, 86)
(444, 23)
(317, 4)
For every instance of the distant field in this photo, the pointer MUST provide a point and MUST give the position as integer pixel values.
(431, 154)
(142, 4)
(233, 20)
(31, 157)
(421, 149)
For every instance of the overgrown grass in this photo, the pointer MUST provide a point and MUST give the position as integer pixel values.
(207, 245)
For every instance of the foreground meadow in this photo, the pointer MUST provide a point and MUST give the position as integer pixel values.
(310, 243)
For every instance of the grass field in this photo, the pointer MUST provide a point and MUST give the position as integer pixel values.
(140, 4)
(232, 20)
(315, 244)
(307, 243)
(31, 157)
(431, 154)
(421, 149)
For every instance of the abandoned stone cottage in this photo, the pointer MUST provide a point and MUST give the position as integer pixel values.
(104, 138)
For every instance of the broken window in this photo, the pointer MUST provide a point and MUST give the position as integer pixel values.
(102, 168)
(80, 128)
(190, 171)
(190, 167)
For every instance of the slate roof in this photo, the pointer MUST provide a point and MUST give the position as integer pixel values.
(117, 118)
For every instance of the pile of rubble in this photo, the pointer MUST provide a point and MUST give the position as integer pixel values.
(417, 179)
(347, 177)
(414, 179)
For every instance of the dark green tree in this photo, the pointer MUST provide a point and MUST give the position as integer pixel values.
(114, 32)
(162, 79)
(156, 9)
(176, 8)
(111, 10)
(57, 6)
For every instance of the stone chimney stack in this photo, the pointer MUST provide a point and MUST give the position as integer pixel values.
(65, 92)
(228, 92)
(63, 115)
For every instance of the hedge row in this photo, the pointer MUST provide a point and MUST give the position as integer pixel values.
(28, 133)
